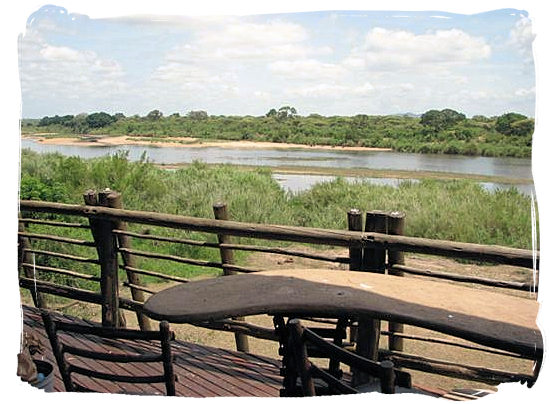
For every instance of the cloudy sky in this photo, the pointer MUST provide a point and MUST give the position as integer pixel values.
(332, 63)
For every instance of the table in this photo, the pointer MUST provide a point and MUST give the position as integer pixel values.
(488, 318)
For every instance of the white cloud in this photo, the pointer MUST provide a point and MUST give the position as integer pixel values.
(247, 41)
(324, 90)
(306, 69)
(264, 95)
(394, 49)
(191, 79)
(58, 73)
(224, 58)
(521, 37)
(525, 92)
(272, 33)
(318, 90)
(61, 54)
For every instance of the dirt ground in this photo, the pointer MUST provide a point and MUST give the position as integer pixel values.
(437, 351)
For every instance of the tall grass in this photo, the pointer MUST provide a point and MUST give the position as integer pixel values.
(458, 210)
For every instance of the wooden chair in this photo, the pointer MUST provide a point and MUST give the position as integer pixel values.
(119, 338)
(300, 339)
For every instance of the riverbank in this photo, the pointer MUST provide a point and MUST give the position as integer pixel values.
(367, 172)
(180, 141)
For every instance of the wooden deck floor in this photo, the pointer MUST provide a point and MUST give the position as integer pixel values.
(202, 371)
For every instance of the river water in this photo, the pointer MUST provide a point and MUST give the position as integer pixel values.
(381, 160)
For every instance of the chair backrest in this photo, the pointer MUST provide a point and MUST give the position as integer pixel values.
(62, 347)
(300, 337)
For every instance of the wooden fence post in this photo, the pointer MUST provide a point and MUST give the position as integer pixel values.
(227, 258)
(368, 329)
(355, 223)
(102, 232)
(396, 226)
(25, 257)
(114, 200)
(374, 259)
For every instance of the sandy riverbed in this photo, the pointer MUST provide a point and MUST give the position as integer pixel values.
(186, 142)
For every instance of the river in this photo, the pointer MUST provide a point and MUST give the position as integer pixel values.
(519, 168)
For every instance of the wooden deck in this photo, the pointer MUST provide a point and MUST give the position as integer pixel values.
(202, 371)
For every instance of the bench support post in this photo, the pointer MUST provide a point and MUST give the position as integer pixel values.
(396, 226)
(368, 329)
(220, 213)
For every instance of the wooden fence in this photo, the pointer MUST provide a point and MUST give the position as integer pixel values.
(376, 243)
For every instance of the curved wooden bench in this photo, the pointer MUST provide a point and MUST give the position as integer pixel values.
(488, 318)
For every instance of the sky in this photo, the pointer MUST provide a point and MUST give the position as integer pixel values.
(328, 62)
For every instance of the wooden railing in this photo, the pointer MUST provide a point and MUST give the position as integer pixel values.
(376, 244)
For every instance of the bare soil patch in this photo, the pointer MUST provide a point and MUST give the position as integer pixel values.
(185, 141)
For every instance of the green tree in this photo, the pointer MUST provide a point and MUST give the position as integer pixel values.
(480, 118)
(272, 113)
(99, 119)
(154, 115)
(440, 120)
(505, 122)
(433, 119)
(525, 127)
(286, 112)
(197, 115)
(80, 124)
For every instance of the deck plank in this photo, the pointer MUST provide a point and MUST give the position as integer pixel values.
(202, 371)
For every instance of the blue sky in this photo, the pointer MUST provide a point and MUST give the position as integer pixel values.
(330, 62)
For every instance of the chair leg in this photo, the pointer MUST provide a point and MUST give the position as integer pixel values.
(288, 368)
(387, 379)
(166, 337)
(56, 348)
(299, 350)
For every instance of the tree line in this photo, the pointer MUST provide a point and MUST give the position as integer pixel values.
(435, 131)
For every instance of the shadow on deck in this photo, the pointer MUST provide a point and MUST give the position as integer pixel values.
(202, 371)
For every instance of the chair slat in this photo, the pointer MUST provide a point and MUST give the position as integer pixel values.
(114, 377)
(342, 355)
(111, 357)
(331, 380)
(105, 332)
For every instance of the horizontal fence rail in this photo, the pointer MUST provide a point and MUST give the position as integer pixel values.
(54, 223)
(49, 237)
(342, 238)
(529, 287)
(456, 370)
(239, 247)
(61, 255)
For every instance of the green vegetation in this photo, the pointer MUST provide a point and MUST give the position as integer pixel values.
(454, 210)
(446, 131)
